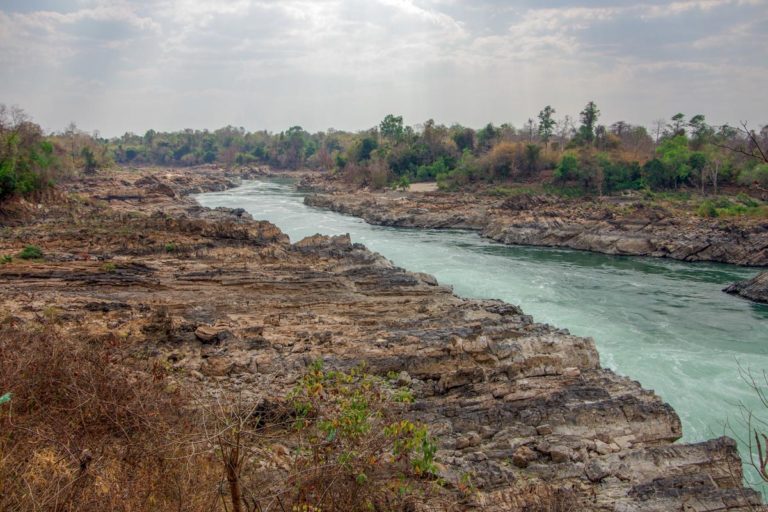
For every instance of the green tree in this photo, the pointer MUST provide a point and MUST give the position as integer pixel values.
(27, 160)
(89, 160)
(675, 155)
(589, 117)
(546, 124)
(363, 149)
(532, 156)
(568, 168)
(701, 132)
(295, 147)
(698, 163)
(464, 138)
(392, 127)
(487, 136)
(677, 125)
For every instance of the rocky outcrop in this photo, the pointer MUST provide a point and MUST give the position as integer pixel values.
(755, 289)
(522, 411)
(615, 226)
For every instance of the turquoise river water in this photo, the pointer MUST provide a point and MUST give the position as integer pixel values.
(662, 322)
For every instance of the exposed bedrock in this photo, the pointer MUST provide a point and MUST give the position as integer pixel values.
(628, 229)
(755, 289)
(523, 411)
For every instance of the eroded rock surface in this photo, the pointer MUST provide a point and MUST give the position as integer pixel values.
(755, 289)
(522, 411)
(612, 226)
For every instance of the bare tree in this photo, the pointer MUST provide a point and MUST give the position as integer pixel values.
(658, 129)
(751, 146)
(714, 166)
(565, 129)
(756, 439)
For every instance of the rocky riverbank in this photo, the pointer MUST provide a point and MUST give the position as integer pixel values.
(525, 416)
(625, 226)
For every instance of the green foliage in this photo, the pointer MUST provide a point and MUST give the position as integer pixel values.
(464, 138)
(707, 209)
(170, 247)
(568, 168)
(757, 174)
(431, 171)
(403, 183)
(546, 123)
(589, 117)
(363, 149)
(245, 159)
(351, 429)
(27, 160)
(467, 171)
(724, 207)
(403, 395)
(31, 252)
(747, 201)
(487, 136)
(109, 268)
(567, 192)
(89, 158)
(392, 127)
(5, 259)
(658, 175)
(413, 443)
(620, 175)
(689, 153)
(674, 154)
(532, 157)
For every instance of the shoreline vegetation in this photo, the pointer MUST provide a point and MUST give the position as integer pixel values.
(724, 167)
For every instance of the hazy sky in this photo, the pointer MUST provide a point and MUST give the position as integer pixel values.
(126, 65)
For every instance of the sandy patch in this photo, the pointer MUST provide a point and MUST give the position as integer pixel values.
(423, 187)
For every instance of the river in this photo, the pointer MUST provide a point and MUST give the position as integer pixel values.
(662, 322)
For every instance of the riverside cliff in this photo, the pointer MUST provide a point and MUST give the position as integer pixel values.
(230, 303)
(626, 226)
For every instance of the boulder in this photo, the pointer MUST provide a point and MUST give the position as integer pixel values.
(755, 289)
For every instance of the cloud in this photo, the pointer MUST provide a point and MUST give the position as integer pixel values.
(168, 64)
(682, 7)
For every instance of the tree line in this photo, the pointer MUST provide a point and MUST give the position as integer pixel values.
(579, 153)
(31, 161)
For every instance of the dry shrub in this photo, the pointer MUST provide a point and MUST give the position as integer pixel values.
(374, 174)
(82, 432)
(86, 431)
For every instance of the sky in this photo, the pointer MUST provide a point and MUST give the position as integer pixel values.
(121, 66)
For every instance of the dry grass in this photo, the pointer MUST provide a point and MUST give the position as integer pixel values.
(83, 433)
(86, 431)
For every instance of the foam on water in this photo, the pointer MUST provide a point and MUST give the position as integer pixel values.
(662, 322)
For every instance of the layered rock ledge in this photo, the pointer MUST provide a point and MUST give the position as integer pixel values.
(622, 226)
(525, 409)
(755, 289)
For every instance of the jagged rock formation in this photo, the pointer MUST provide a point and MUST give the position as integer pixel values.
(614, 226)
(521, 410)
(755, 289)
